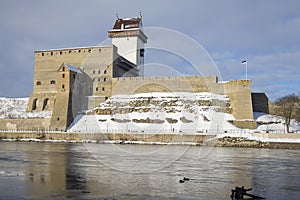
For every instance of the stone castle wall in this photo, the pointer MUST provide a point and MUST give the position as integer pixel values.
(25, 124)
(238, 91)
(96, 62)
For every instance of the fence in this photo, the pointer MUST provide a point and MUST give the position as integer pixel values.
(155, 131)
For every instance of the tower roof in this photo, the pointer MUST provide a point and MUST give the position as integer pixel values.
(128, 23)
(70, 67)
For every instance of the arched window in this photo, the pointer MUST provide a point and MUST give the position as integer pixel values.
(103, 89)
(45, 103)
(63, 75)
(104, 72)
(34, 104)
(96, 89)
(63, 86)
(52, 82)
(38, 83)
(63, 69)
(104, 79)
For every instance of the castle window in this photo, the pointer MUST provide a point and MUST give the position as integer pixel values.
(96, 89)
(45, 103)
(42, 54)
(94, 72)
(142, 51)
(34, 104)
(99, 79)
(99, 50)
(60, 52)
(106, 98)
(104, 79)
(99, 71)
(89, 50)
(51, 53)
(63, 75)
(63, 86)
(52, 82)
(38, 83)
(104, 72)
(63, 69)
(79, 51)
(57, 119)
(70, 51)
(74, 76)
(103, 89)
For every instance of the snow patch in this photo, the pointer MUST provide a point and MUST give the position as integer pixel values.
(15, 108)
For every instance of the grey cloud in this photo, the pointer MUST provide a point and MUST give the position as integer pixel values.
(264, 32)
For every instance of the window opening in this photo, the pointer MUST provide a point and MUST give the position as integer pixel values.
(45, 103)
(34, 104)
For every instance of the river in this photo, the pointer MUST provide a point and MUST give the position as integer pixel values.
(116, 171)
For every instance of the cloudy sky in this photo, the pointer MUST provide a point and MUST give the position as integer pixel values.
(266, 33)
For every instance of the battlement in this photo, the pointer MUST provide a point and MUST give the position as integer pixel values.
(63, 51)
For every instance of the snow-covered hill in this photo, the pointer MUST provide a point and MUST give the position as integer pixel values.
(169, 112)
(16, 108)
(158, 112)
(154, 112)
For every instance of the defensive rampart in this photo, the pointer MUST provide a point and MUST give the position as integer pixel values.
(25, 124)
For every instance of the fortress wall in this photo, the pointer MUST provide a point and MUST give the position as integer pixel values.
(41, 103)
(25, 124)
(239, 93)
(165, 84)
(60, 112)
(89, 59)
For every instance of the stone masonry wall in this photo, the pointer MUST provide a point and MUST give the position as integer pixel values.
(25, 124)
(239, 91)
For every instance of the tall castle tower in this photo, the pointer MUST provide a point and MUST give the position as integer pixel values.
(128, 36)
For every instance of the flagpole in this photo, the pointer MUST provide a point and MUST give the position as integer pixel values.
(246, 70)
(246, 63)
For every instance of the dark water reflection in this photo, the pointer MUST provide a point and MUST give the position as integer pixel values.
(71, 171)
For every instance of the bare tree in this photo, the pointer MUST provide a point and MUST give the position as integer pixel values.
(289, 108)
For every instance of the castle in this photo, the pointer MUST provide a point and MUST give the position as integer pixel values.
(70, 80)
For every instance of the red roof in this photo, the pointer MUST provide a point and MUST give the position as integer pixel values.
(127, 23)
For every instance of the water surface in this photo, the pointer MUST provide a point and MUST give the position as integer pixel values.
(109, 171)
